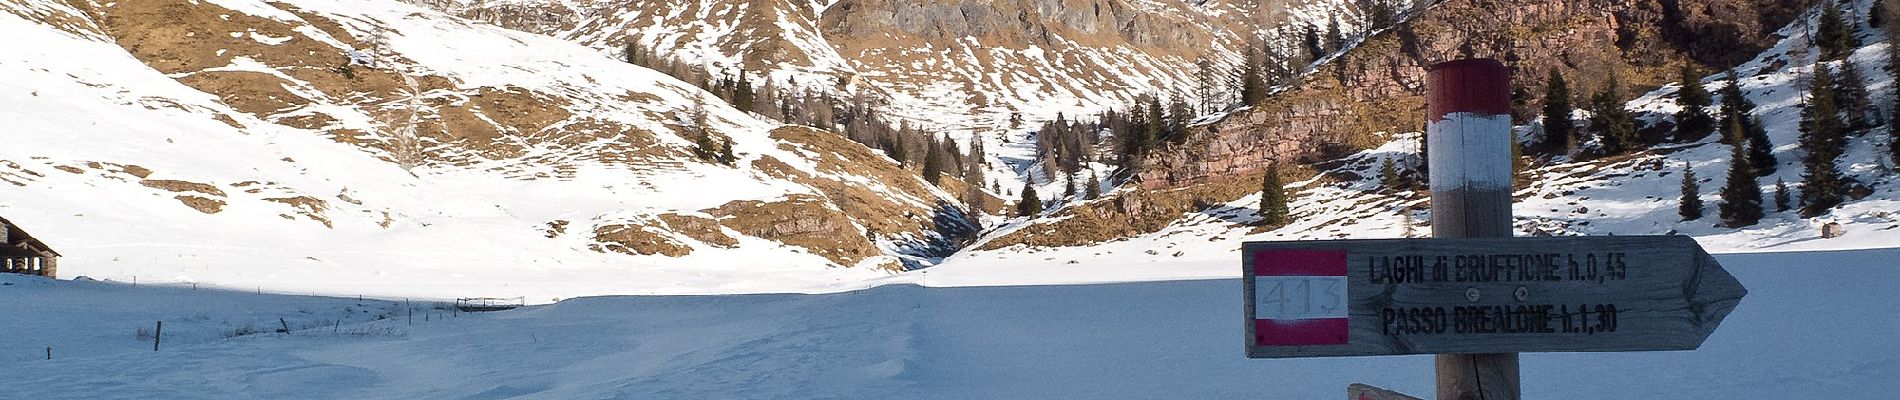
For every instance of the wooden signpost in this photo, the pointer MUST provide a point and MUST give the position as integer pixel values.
(1473, 295)
(1506, 295)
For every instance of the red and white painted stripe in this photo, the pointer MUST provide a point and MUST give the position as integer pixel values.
(1300, 298)
(1470, 124)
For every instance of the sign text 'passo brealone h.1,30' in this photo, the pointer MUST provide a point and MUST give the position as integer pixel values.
(1418, 296)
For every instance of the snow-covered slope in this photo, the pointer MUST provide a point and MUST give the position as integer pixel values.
(1803, 333)
(234, 142)
(1616, 196)
(992, 70)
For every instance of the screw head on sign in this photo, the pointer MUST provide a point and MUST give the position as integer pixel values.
(1472, 295)
(1523, 293)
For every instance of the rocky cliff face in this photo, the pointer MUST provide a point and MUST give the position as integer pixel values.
(1378, 86)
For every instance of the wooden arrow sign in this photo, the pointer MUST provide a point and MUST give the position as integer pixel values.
(1505, 295)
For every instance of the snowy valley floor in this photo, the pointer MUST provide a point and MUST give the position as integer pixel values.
(1815, 325)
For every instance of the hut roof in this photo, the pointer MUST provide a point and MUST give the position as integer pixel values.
(21, 244)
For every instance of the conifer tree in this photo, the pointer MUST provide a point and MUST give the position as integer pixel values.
(1253, 85)
(1094, 189)
(1823, 136)
(705, 148)
(1761, 153)
(1179, 116)
(1157, 125)
(1030, 205)
(1207, 82)
(1133, 139)
(1273, 204)
(1783, 201)
(1735, 105)
(1559, 129)
(1741, 194)
(633, 53)
(1693, 122)
(1690, 206)
(742, 95)
(1388, 175)
(1314, 47)
(1833, 34)
(933, 163)
(1068, 186)
(1613, 124)
(1850, 94)
(725, 152)
(896, 149)
(1335, 40)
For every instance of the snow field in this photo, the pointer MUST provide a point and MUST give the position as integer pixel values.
(1811, 327)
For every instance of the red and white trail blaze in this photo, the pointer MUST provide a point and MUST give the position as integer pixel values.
(1300, 298)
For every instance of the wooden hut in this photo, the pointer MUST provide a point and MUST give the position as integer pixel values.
(20, 253)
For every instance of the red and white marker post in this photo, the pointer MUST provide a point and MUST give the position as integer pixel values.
(1470, 139)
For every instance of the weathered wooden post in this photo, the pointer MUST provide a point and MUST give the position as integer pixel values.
(1473, 295)
(1469, 132)
(158, 334)
(51, 269)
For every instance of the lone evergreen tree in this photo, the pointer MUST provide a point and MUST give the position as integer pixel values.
(1693, 122)
(1761, 153)
(933, 163)
(1741, 194)
(1690, 207)
(1612, 123)
(725, 152)
(1273, 205)
(1030, 205)
(1068, 186)
(1824, 138)
(1388, 175)
(1559, 130)
(1094, 189)
(1783, 201)
(1833, 34)
(1735, 105)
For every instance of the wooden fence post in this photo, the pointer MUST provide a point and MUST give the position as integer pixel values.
(1470, 138)
(158, 334)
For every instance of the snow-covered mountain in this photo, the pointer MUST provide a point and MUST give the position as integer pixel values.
(358, 146)
(988, 70)
(1345, 198)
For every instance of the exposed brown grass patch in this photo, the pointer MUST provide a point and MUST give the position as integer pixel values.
(182, 186)
(203, 205)
(802, 221)
(635, 240)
